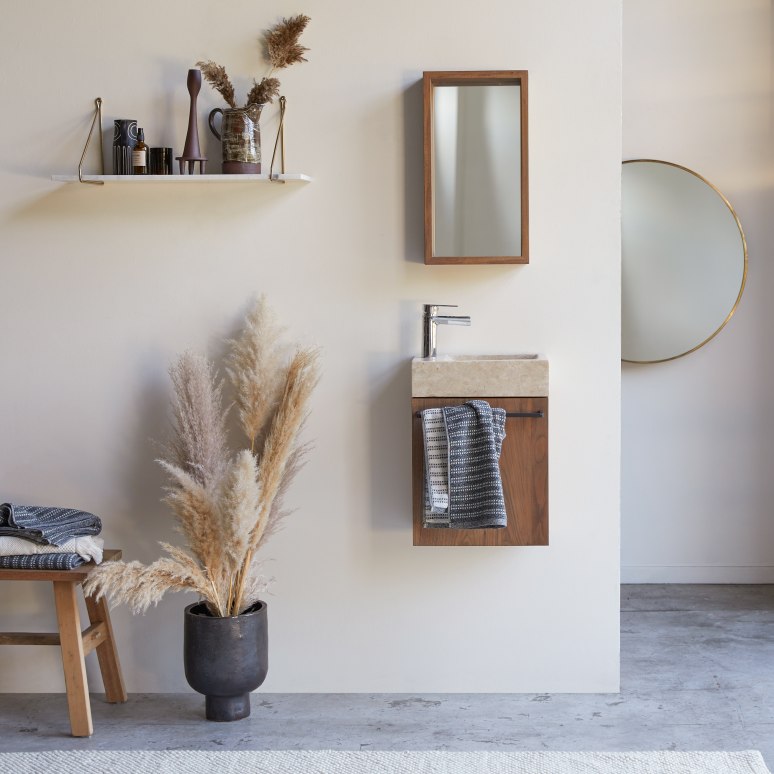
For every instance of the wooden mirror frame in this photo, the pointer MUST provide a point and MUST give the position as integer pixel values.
(467, 78)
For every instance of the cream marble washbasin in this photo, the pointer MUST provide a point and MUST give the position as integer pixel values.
(496, 376)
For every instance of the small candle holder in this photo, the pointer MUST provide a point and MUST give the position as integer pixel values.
(161, 161)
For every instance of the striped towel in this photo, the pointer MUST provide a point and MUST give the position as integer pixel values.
(462, 488)
(46, 525)
(476, 432)
(436, 513)
(63, 561)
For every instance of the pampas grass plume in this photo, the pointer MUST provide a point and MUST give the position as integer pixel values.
(217, 77)
(263, 92)
(225, 507)
(281, 41)
(240, 504)
(255, 367)
(280, 48)
(198, 443)
(141, 586)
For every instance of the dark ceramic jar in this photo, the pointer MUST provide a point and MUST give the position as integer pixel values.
(226, 658)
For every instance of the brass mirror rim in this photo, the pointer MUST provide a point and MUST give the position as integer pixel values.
(744, 247)
(431, 78)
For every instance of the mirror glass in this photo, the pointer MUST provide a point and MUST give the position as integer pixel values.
(475, 167)
(684, 261)
(476, 170)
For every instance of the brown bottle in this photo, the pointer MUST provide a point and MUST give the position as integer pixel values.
(140, 155)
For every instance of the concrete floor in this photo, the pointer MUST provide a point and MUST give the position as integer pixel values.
(697, 674)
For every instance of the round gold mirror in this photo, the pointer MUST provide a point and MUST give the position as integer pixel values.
(684, 261)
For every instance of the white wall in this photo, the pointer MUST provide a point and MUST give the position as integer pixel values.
(698, 432)
(102, 287)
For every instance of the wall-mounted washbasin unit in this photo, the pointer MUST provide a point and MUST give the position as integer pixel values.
(519, 384)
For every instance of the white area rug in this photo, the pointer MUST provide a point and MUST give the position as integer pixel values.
(372, 762)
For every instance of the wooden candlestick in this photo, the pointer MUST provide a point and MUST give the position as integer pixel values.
(192, 152)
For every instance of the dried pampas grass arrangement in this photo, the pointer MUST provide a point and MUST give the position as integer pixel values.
(226, 505)
(280, 48)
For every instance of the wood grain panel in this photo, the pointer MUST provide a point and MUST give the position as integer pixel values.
(523, 469)
(107, 653)
(72, 658)
(29, 638)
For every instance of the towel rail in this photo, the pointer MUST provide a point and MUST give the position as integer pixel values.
(509, 414)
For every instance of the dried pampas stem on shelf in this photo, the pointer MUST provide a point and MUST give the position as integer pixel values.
(280, 48)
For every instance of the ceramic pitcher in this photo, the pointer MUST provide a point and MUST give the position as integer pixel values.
(240, 138)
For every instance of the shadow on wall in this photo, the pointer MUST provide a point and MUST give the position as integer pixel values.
(146, 520)
(149, 520)
(389, 380)
(81, 206)
(413, 177)
(389, 442)
(755, 313)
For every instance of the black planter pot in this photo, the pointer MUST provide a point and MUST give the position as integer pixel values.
(226, 658)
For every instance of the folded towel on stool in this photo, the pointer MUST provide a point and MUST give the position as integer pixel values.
(90, 548)
(61, 561)
(46, 525)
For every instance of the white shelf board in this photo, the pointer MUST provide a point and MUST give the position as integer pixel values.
(196, 179)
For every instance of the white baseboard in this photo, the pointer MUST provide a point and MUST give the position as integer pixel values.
(697, 573)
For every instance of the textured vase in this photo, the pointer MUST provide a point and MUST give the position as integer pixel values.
(240, 138)
(226, 658)
(124, 140)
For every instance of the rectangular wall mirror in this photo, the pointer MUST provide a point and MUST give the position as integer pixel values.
(475, 167)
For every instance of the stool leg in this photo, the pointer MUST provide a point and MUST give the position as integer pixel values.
(72, 658)
(107, 652)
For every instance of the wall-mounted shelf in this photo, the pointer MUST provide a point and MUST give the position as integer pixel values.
(182, 179)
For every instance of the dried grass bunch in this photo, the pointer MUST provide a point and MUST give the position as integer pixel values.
(280, 48)
(226, 506)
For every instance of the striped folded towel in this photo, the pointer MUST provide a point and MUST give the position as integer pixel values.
(46, 525)
(60, 561)
(89, 547)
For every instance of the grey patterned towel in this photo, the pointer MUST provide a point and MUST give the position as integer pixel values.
(436, 511)
(476, 432)
(41, 562)
(46, 525)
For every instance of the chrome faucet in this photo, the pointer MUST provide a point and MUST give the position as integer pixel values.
(430, 319)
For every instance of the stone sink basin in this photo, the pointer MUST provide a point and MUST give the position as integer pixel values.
(486, 376)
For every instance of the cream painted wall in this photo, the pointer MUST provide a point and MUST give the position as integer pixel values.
(102, 287)
(698, 432)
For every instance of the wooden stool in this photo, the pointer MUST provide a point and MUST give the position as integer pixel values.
(76, 644)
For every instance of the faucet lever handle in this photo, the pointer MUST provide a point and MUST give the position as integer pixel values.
(430, 307)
